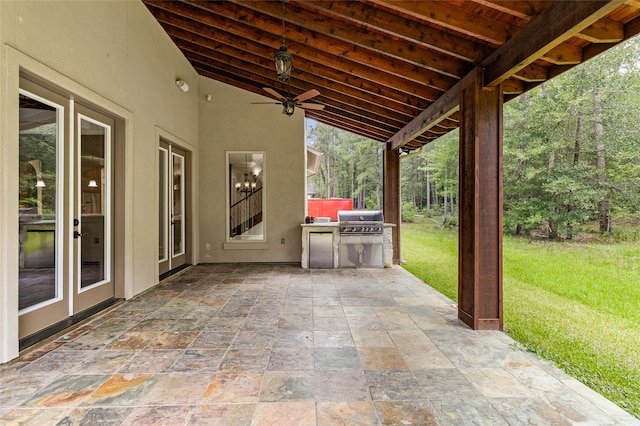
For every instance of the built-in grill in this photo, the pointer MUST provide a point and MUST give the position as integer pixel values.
(361, 238)
(360, 222)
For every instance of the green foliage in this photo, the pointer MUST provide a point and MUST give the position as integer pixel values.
(571, 144)
(409, 212)
(351, 166)
(573, 304)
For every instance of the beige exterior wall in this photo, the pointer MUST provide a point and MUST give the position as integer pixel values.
(114, 55)
(231, 123)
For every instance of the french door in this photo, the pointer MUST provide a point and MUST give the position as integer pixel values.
(172, 231)
(65, 208)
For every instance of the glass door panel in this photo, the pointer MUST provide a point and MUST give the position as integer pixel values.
(95, 149)
(39, 242)
(92, 209)
(163, 236)
(177, 218)
(172, 207)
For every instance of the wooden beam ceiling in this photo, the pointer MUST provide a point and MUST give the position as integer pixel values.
(390, 69)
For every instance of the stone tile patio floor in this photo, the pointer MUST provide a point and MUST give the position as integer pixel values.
(279, 345)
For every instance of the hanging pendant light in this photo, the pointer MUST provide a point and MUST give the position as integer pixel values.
(283, 59)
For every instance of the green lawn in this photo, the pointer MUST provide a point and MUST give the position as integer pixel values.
(577, 305)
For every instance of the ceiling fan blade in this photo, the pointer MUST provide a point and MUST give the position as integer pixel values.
(273, 93)
(307, 105)
(266, 103)
(307, 95)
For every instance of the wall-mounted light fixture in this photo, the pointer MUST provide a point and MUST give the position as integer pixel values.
(182, 85)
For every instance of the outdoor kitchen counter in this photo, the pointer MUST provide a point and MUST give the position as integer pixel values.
(334, 229)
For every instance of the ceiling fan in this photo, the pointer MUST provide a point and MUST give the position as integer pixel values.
(289, 104)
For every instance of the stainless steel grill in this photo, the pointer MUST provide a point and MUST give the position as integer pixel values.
(360, 222)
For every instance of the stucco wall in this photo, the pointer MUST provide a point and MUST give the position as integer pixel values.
(231, 123)
(114, 55)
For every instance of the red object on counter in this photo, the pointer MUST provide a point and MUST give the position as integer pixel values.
(328, 207)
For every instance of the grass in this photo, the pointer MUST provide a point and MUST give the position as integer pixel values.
(577, 305)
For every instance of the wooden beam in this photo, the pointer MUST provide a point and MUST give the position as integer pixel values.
(603, 31)
(480, 207)
(439, 110)
(556, 24)
(391, 188)
(531, 73)
(564, 54)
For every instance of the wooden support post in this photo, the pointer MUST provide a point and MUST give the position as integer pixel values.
(391, 209)
(480, 231)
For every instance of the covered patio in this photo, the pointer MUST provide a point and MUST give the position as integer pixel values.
(275, 344)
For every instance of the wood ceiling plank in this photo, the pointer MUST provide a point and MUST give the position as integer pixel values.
(405, 29)
(331, 45)
(524, 9)
(401, 109)
(456, 19)
(194, 21)
(353, 106)
(365, 36)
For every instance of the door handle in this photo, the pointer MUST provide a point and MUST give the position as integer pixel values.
(77, 234)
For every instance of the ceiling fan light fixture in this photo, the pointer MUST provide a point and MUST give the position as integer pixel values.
(284, 63)
(289, 108)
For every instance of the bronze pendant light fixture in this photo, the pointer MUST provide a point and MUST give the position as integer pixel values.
(283, 59)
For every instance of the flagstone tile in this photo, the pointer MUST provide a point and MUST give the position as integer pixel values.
(372, 338)
(159, 416)
(332, 339)
(150, 361)
(341, 385)
(344, 358)
(204, 360)
(58, 361)
(121, 390)
(287, 386)
(34, 416)
(133, 340)
(291, 359)
(254, 339)
(381, 359)
(346, 413)
(103, 362)
(66, 391)
(177, 388)
(289, 413)
(222, 415)
(477, 410)
(213, 339)
(173, 340)
(330, 324)
(497, 383)
(236, 387)
(245, 360)
(393, 385)
(420, 413)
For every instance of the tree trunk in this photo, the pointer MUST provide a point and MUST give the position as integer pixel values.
(601, 164)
